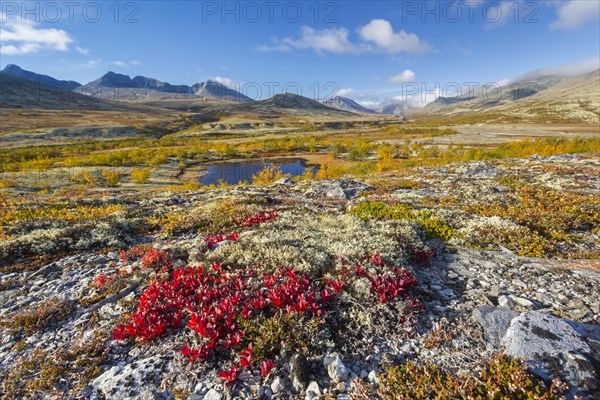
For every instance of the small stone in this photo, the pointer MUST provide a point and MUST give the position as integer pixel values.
(363, 374)
(373, 378)
(212, 394)
(284, 181)
(199, 387)
(277, 385)
(522, 301)
(313, 392)
(335, 368)
(518, 282)
(504, 301)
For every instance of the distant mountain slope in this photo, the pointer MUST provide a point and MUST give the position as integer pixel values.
(293, 103)
(18, 92)
(542, 98)
(143, 82)
(344, 103)
(217, 90)
(575, 99)
(16, 71)
(22, 93)
(119, 87)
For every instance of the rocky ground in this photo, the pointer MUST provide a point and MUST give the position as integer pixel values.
(488, 280)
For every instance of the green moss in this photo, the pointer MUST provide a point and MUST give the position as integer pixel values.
(434, 227)
(501, 378)
(269, 336)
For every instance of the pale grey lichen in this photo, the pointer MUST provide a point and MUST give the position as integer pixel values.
(306, 241)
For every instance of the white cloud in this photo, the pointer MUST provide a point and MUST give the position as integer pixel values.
(404, 76)
(333, 40)
(19, 37)
(125, 64)
(368, 103)
(93, 63)
(377, 35)
(81, 50)
(121, 64)
(347, 92)
(574, 13)
(230, 83)
(380, 32)
(581, 68)
(504, 82)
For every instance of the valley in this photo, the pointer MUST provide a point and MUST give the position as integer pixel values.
(163, 241)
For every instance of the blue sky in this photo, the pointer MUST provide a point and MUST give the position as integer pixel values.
(365, 50)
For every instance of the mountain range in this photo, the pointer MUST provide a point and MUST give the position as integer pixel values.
(575, 96)
(121, 87)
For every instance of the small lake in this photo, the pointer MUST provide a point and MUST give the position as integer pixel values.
(234, 172)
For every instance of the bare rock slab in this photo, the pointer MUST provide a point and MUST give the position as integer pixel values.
(495, 322)
(554, 347)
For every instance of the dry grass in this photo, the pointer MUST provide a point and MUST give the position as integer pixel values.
(37, 317)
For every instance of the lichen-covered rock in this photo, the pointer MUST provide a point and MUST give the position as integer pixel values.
(140, 380)
(553, 347)
(344, 189)
(495, 322)
(299, 371)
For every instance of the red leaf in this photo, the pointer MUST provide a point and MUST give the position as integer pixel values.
(266, 367)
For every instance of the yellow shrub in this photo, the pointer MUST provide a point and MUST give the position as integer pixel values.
(330, 170)
(140, 175)
(85, 178)
(7, 184)
(268, 175)
(111, 178)
(386, 158)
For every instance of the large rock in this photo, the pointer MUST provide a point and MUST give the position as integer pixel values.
(344, 189)
(478, 169)
(140, 380)
(552, 347)
(495, 322)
